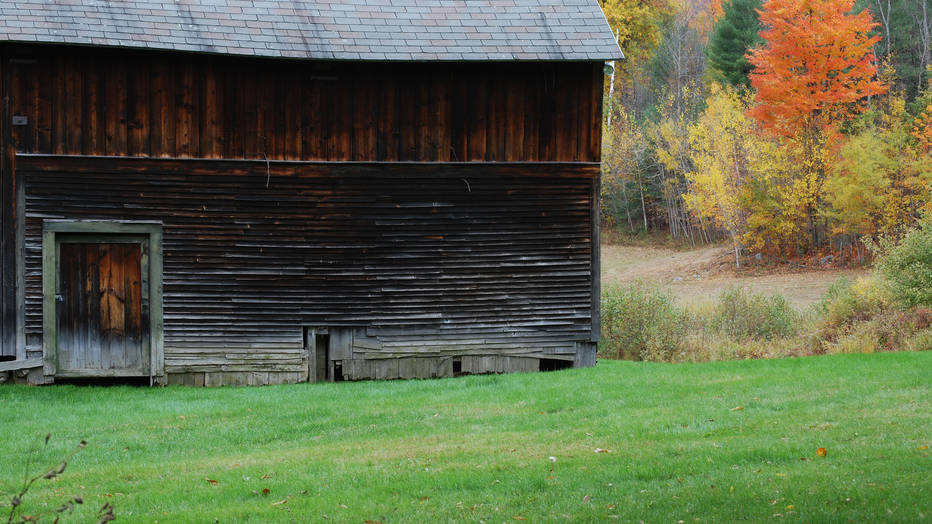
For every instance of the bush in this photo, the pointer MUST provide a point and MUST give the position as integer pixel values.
(744, 316)
(640, 322)
(891, 330)
(845, 301)
(907, 265)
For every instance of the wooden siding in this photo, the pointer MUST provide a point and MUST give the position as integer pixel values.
(8, 311)
(423, 260)
(93, 101)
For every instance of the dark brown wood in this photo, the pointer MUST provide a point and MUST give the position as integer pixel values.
(138, 106)
(114, 109)
(430, 260)
(100, 314)
(7, 258)
(431, 210)
(135, 103)
(594, 119)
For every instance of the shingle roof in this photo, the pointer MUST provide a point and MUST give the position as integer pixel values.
(402, 30)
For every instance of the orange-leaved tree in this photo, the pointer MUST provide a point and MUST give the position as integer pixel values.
(816, 66)
(815, 70)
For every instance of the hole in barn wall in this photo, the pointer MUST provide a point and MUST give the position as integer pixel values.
(7, 358)
(338, 371)
(457, 366)
(321, 365)
(552, 364)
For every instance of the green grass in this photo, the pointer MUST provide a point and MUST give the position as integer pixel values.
(477, 448)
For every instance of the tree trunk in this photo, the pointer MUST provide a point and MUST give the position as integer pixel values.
(643, 206)
(734, 243)
(624, 194)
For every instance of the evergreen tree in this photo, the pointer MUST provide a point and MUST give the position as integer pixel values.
(734, 33)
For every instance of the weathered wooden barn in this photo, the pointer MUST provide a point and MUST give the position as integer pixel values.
(267, 191)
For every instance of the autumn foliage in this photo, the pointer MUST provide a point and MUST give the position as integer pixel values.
(817, 66)
(828, 149)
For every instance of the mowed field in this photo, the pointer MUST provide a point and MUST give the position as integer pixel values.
(731, 441)
(698, 276)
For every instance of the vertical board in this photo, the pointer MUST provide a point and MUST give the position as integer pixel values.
(132, 103)
(7, 199)
(100, 309)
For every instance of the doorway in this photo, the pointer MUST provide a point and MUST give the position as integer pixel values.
(102, 300)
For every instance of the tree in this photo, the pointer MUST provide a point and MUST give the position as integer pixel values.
(733, 35)
(906, 27)
(720, 149)
(858, 189)
(816, 67)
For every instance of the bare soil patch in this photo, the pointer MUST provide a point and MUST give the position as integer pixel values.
(697, 276)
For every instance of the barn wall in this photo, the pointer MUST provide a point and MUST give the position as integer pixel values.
(7, 228)
(419, 261)
(93, 101)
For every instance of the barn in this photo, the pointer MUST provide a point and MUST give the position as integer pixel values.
(269, 191)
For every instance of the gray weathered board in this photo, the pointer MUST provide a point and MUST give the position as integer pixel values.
(425, 262)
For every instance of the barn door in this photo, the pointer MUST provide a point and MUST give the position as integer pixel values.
(102, 305)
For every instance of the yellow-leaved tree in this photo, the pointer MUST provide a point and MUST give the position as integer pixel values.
(721, 145)
(882, 179)
(624, 146)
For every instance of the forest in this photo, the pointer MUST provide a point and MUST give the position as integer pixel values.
(790, 129)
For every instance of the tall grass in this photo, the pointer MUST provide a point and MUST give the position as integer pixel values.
(641, 322)
(644, 322)
(741, 315)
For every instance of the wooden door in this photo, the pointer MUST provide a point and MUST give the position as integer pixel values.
(102, 306)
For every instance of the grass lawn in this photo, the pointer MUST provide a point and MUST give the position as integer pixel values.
(718, 442)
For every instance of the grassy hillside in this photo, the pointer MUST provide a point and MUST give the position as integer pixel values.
(719, 442)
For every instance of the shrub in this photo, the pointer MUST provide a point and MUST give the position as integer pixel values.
(743, 316)
(907, 265)
(891, 330)
(640, 322)
(845, 301)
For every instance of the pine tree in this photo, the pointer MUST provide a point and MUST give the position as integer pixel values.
(733, 35)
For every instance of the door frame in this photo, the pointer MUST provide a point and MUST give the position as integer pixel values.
(50, 276)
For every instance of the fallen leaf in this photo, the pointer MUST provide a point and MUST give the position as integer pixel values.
(587, 498)
(265, 491)
(182, 417)
(372, 522)
(923, 447)
(600, 450)
(211, 481)
(518, 517)
(821, 452)
(737, 408)
(280, 502)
